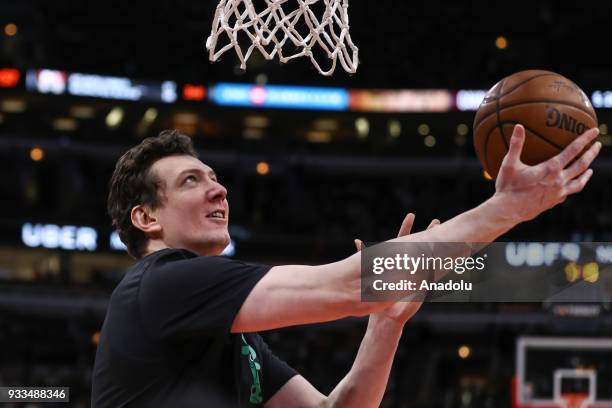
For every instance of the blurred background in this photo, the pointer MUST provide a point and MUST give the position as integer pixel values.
(310, 163)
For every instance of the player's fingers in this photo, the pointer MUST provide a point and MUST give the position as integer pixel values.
(433, 223)
(406, 225)
(580, 165)
(573, 149)
(517, 140)
(358, 244)
(578, 184)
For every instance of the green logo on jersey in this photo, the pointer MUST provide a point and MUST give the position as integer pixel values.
(247, 350)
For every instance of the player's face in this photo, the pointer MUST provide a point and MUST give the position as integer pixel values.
(194, 214)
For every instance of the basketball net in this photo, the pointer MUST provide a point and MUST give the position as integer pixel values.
(272, 31)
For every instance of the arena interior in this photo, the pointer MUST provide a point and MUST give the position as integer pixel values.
(310, 163)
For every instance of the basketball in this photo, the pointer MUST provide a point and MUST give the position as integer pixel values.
(553, 110)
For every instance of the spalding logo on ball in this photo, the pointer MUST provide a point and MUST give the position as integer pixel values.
(553, 110)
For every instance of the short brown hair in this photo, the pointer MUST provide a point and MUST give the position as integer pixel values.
(134, 184)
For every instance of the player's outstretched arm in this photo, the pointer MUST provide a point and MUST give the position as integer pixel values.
(296, 294)
(522, 192)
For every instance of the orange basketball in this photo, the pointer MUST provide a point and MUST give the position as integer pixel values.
(553, 110)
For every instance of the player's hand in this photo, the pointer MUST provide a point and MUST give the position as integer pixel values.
(526, 191)
(400, 312)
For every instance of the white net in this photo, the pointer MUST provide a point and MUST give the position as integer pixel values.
(279, 32)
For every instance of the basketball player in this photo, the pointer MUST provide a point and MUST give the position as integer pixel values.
(180, 330)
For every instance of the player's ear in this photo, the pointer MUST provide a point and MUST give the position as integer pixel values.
(145, 220)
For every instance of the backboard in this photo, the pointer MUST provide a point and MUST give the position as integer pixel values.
(563, 372)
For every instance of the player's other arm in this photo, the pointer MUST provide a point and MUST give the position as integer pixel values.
(363, 386)
(292, 295)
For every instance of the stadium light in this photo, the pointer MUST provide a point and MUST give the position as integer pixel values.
(37, 154)
(603, 129)
(501, 42)
(464, 351)
(262, 168)
(362, 126)
(256, 121)
(261, 79)
(252, 133)
(65, 124)
(395, 128)
(114, 117)
(462, 129)
(13, 106)
(423, 129)
(10, 29)
(318, 136)
(326, 124)
(82, 112)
